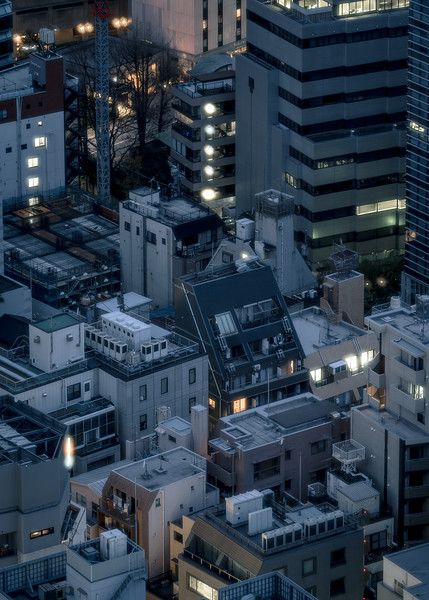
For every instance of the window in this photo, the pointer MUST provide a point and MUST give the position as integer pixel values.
(227, 257)
(73, 392)
(178, 537)
(143, 422)
(172, 439)
(266, 468)
(239, 405)
(202, 589)
(33, 182)
(337, 587)
(312, 590)
(127, 226)
(39, 142)
(417, 452)
(192, 376)
(225, 323)
(288, 485)
(151, 237)
(32, 162)
(377, 541)
(27, 126)
(338, 557)
(39, 123)
(3, 114)
(158, 502)
(309, 566)
(164, 385)
(94, 510)
(288, 454)
(87, 386)
(318, 447)
(143, 392)
(137, 230)
(164, 241)
(192, 402)
(8, 150)
(41, 533)
(23, 146)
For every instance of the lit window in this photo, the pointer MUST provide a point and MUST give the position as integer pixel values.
(41, 533)
(39, 123)
(417, 127)
(239, 405)
(238, 13)
(33, 182)
(39, 142)
(212, 403)
(402, 203)
(365, 357)
(202, 589)
(32, 162)
(387, 205)
(316, 375)
(33, 201)
(352, 363)
(366, 209)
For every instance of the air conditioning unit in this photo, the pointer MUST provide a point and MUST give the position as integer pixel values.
(69, 337)
(36, 339)
(146, 350)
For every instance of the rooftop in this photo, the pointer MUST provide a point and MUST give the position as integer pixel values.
(405, 320)
(164, 469)
(57, 322)
(315, 330)
(270, 586)
(96, 479)
(385, 420)
(270, 423)
(27, 435)
(91, 550)
(415, 562)
(176, 424)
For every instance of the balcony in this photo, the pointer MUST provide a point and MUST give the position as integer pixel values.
(210, 566)
(417, 464)
(378, 380)
(416, 491)
(421, 518)
(417, 377)
(189, 133)
(406, 400)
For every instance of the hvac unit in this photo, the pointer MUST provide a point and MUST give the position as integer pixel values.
(113, 544)
(340, 366)
(146, 350)
(238, 507)
(69, 337)
(133, 358)
(121, 350)
(164, 348)
(156, 350)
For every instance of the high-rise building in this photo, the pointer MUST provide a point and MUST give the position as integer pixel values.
(6, 46)
(416, 272)
(321, 107)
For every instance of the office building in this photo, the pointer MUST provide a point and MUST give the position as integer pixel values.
(190, 27)
(405, 575)
(321, 113)
(32, 130)
(34, 483)
(393, 424)
(317, 546)
(241, 319)
(162, 239)
(6, 48)
(142, 498)
(416, 269)
(284, 446)
(203, 134)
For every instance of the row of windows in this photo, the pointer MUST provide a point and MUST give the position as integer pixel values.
(340, 186)
(326, 40)
(349, 237)
(346, 159)
(41, 533)
(321, 74)
(349, 211)
(343, 97)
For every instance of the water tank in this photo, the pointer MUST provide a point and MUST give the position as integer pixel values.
(113, 544)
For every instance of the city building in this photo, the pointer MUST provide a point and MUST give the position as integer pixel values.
(111, 566)
(241, 319)
(338, 355)
(321, 111)
(32, 130)
(191, 27)
(406, 575)
(161, 239)
(284, 446)
(271, 586)
(416, 269)
(34, 483)
(142, 498)
(72, 21)
(393, 423)
(316, 546)
(6, 48)
(203, 134)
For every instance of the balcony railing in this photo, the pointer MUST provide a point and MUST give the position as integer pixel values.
(210, 566)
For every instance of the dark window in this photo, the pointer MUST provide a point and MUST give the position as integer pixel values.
(137, 230)
(3, 114)
(23, 146)
(94, 510)
(127, 226)
(73, 391)
(87, 386)
(143, 393)
(163, 240)
(172, 439)
(143, 422)
(318, 447)
(338, 557)
(192, 402)
(266, 468)
(164, 385)
(151, 237)
(227, 257)
(421, 417)
(178, 537)
(338, 586)
(288, 454)
(288, 484)
(27, 125)
(8, 150)
(417, 452)
(309, 566)
(377, 541)
(415, 478)
(192, 376)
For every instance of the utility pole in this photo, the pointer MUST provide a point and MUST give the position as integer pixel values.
(102, 76)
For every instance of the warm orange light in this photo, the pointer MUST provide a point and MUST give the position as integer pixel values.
(68, 449)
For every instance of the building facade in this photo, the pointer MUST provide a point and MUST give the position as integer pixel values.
(203, 135)
(405, 574)
(321, 110)
(6, 47)
(416, 272)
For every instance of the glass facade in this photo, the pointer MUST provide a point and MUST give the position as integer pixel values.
(416, 270)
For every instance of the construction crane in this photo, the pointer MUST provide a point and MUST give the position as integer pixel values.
(101, 12)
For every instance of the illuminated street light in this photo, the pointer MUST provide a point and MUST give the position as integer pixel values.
(208, 194)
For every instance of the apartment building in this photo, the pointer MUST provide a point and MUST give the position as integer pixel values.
(405, 574)
(316, 546)
(272, 586)
(203, 134)
(33, 480)
(392, 425)
(240, 316)
(191, 28)
(161, 239)
(142, 498)
(284, 446)
(321, 114)
(32, 130)
(6, 47)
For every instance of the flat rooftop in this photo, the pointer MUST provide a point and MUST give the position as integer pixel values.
(176, 424)
(96, 479)
(405, 320)
(27, 435)
(415, 561)
(316, 331)
(57, 322)
(268, 424)
(400, 427)
(91, 551)
(164, 469)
